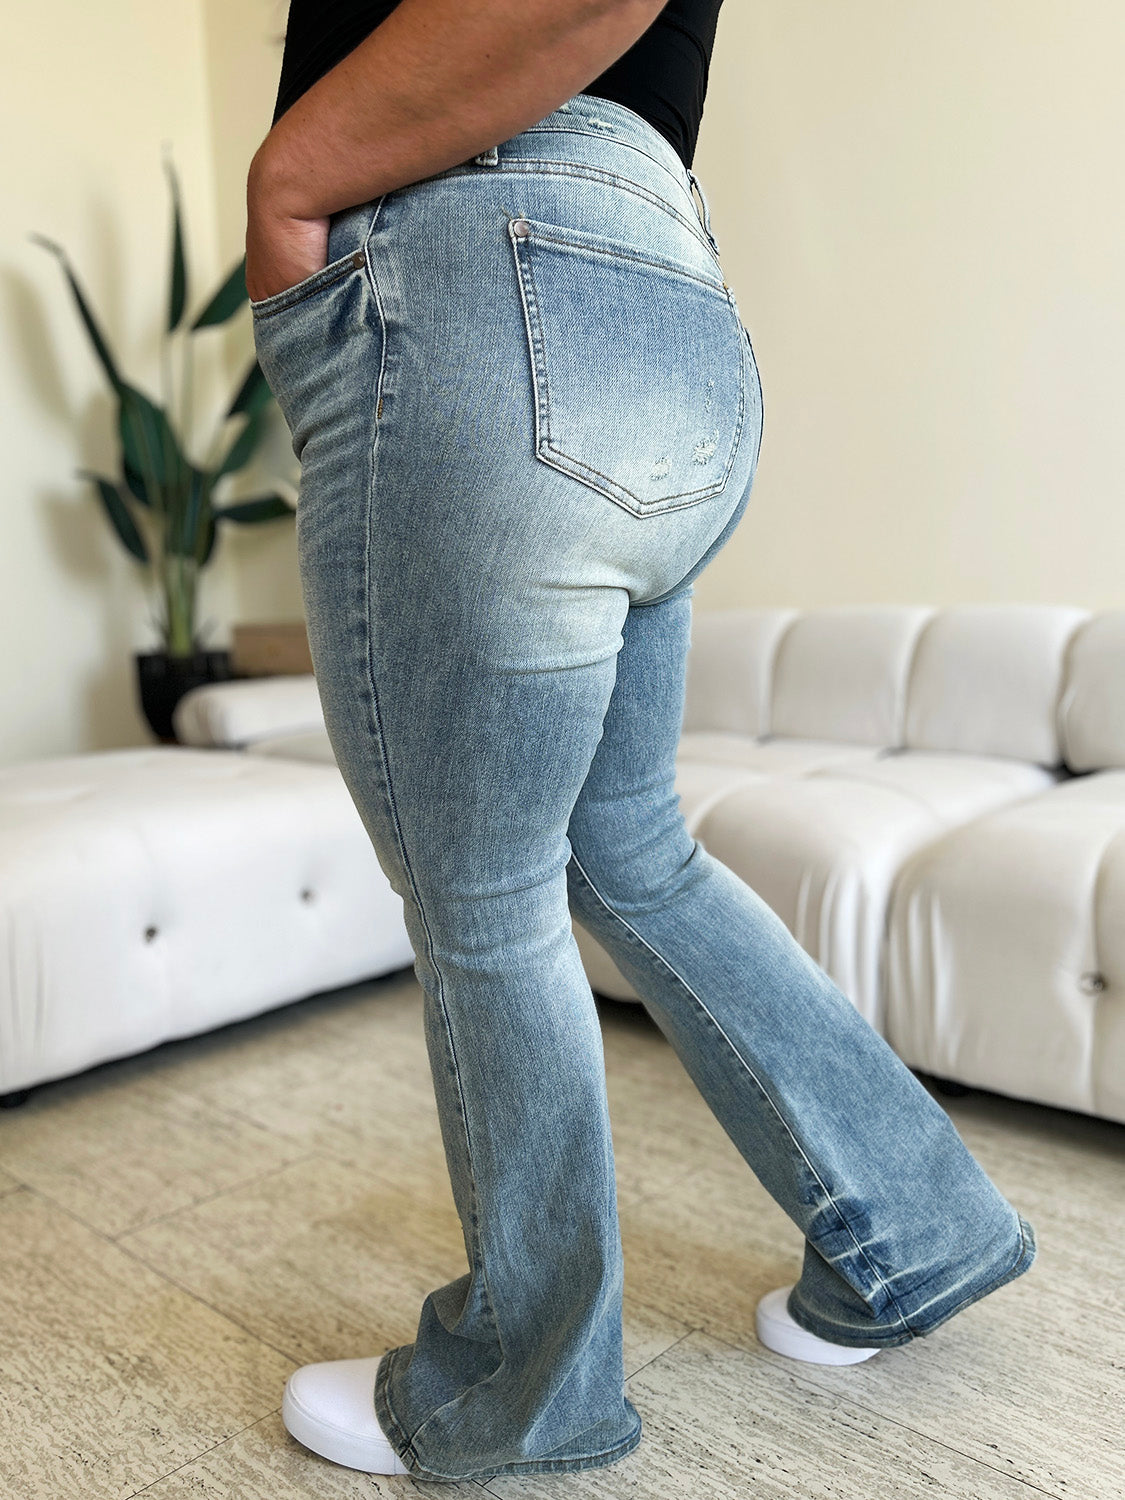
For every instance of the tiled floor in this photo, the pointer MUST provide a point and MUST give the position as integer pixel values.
(180, 1229)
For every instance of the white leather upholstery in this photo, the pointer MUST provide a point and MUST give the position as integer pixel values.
(308, 744)
(154, 893)
(986, 680)
(839, 674)
(244, 709)
(1006, 954)
(730, 669)
(1092, 706)
(824, 850)
(771, 756)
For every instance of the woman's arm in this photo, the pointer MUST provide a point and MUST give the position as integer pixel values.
(435, 83)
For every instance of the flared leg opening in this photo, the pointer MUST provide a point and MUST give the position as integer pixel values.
(918, 1312)
(425, 1463)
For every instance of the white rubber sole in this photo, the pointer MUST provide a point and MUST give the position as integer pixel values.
(329, 1407)
(778, 1331)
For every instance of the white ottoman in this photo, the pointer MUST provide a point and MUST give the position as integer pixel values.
(155, 893)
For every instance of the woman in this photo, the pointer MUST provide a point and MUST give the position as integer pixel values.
(528, 415)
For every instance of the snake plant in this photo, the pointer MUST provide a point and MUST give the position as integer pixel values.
(161, 505)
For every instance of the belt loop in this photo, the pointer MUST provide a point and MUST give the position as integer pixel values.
(489, 158)
(706, 215)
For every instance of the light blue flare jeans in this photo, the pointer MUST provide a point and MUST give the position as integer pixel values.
(528, 415)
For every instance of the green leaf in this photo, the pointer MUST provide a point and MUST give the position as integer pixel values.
(97, 338)
(185, 531)
(241, 451)
(151, 451)
(253, 394)
(177, 288)
(227, 300)
(134, 483)
(119, 514)
(207, 539)
(263, 508)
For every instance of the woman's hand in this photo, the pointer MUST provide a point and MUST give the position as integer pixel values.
(281, 250)
(435, 82)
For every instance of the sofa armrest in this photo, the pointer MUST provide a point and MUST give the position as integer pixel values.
(242, 710)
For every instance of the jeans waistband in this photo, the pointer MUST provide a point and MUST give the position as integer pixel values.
(585, 134)
(594, 132)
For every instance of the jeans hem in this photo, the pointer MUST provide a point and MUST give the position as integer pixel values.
(396, 1435)
(1025, 1255)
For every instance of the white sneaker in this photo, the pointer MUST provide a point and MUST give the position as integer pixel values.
(330, 1407)
(779, 1332)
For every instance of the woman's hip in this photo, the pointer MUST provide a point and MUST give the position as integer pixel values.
(538, 351)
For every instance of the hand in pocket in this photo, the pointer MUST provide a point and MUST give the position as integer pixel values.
(280, 250)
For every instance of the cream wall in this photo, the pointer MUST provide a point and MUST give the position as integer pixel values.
(919, 208)
(243, 56)
(87, 95)
(916, 205)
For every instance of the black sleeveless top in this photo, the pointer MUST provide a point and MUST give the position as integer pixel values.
(662, 77)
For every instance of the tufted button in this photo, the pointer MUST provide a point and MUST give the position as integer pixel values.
(150, 933)
(306, 894)
(1092, 983)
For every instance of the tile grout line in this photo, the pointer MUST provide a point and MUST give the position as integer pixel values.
(885, 1417)
(232, 1187)
(632, 1375)
(195, 1459)
(171, 1280)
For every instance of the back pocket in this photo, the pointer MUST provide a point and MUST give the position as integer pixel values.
(638, 367)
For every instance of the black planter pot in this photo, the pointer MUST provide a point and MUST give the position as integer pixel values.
(163, 680)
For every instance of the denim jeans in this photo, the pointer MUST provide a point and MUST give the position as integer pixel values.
(527, 415)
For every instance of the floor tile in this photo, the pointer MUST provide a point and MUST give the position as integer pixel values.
(265, 1463)
(353, 1083)
(320, 1259)
(110, 1377)
(992, 1375)
(720, 1423)
(327, 1262)
(119, 1151)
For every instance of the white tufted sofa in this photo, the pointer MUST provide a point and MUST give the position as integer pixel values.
(932, 799)
(154, 893)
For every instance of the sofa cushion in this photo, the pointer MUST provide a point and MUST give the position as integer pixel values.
(770, 756)
(1006, 950)
(986, 679)
(730, 668)
(154, 893)
(824, 850)
(244, 709)
(840, 674)
(1092, 705)
(954, 787)
(307, 744)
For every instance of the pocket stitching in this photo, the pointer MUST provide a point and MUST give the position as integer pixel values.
(266, 307)
(565, 462)
(586, 244)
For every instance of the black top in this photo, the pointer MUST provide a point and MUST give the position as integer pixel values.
(662, 77)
